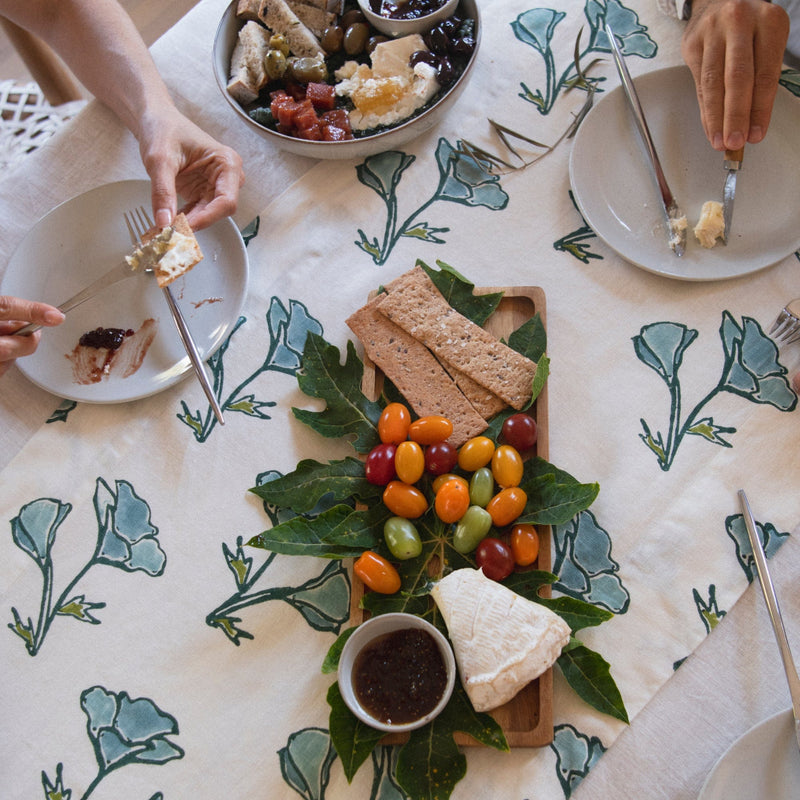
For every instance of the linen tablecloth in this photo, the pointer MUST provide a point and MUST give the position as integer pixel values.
(173, 660)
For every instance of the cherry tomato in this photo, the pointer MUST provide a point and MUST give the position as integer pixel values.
(377, 573)
(524, 544)
(404, 500)
(393, 423)
(475, 453)
(402, 538)
(494, 558)
(519, 430)
(471, 529)
(507, 466)
(481, 487)
(409, 462)
(506, 505)
(441, 480)
(440, 457)
(452, 501)
(379, 466)
(430, 429)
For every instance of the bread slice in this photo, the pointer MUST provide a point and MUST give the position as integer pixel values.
(415, 304)
(279, 18)
(412, 368)
(248, 9)
(248, 75)
(315, 16)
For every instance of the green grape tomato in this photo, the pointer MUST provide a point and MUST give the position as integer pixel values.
(481, 487)
(471, 529)
(402, 538)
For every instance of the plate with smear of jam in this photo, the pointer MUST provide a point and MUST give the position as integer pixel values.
(121, 344)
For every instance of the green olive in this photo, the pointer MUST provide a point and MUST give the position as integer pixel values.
(374, 41)
(332, 38)
(278, 42)
(308, 70)
(275, 64)
(355, 38)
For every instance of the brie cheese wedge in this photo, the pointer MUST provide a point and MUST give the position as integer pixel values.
(501, 640)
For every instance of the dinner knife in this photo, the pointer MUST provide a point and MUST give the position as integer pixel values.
(675, 220)
(732, 164)
(774, 611)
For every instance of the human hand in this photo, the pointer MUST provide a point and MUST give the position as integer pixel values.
(14, 313)
(181, 158)
(734, 49)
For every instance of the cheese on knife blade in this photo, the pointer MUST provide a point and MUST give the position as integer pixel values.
(501, 640)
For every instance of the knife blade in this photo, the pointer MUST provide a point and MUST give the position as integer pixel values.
(771, 598)
(732, 164)
(674, 219)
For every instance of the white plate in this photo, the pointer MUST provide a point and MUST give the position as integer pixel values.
(618, 196)
(764, 763)
(83, 238)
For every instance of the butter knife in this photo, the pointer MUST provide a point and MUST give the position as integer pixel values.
(732, 164)
(774, 611)
(675, 220)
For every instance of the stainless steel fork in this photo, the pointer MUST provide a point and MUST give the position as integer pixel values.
(138, 222)
(786, 328)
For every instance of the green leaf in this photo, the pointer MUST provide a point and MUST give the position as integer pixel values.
(457, 290)
(578, 614)
(554, 496)
(331, 662)
(353, 740)
(348, 413)
(589, 674)
(530, 339)
(339, 532)
(302, 489)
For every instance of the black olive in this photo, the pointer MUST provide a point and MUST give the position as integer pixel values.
(446, 73)
(374, 41)
(437, 40)
(424, 57)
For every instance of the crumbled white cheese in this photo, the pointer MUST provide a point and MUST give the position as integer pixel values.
(711, 225)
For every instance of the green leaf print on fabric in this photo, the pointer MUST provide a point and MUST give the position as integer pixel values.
(306, 762)
(123, 731)
(577, 243)
(750, 370)
(62, 412)
(576, 753)
(463, 179)
(126, 539)
(537, 27)
(790, 79)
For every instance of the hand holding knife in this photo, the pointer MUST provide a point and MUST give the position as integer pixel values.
(732, 164)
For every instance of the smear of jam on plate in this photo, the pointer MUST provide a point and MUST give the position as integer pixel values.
(103, 352)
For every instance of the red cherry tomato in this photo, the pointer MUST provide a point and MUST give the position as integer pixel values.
(506, 506)
(409, 462)
(404, 500)
(452, 501)
(495, 558)
(430, 429)
(379, 466)
(377, 573)
(393, 423)
(520, 431)
(524, 544)
(440, 457)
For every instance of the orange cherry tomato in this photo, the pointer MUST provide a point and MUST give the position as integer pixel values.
(377, 573)
(475, 453)
(524, 544)
(506, 506)
(404, 500)
(393, 423)
(430, 429)
(452, 501)
(441, 480)
(409, 461)
(507, 466)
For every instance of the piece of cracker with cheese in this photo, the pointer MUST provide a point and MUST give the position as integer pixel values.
(170, 252)
(415, 304)
(416, 373)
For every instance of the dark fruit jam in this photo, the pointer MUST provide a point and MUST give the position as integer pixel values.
(410, 9)
(400, 676)
(110, 338)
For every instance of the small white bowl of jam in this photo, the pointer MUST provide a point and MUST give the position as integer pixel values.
(403, 17)
(396, 672)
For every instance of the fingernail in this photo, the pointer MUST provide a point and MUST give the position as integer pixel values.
(163, 217)
(756, 133)
(736, 140)
(716, 142)
(53, 317)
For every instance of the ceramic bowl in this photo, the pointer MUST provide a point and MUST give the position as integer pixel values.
(360, 148)
(369, 631)
(404, 27)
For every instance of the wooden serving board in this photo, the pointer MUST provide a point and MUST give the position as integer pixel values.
(527, 720)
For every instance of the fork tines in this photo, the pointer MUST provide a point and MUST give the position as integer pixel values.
(786, 328)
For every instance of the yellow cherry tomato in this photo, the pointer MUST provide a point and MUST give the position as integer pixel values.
(430, 429)
(506, 506)
(441, 480)
(377, 573)
(507, 466)
(524, 542)
(409, 461)
(475, 453)
(393, 423)
(452, 501)
(404, 500)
